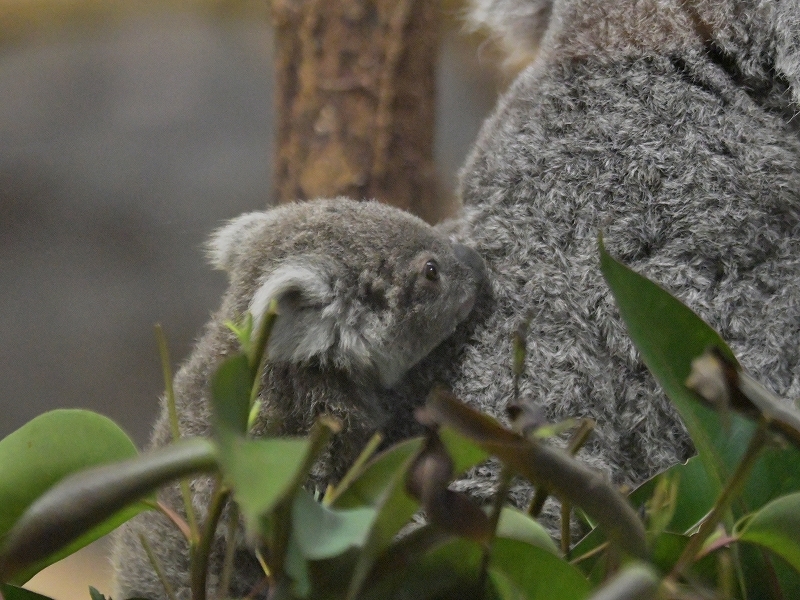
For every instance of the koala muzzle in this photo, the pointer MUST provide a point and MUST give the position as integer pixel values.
(472, 260)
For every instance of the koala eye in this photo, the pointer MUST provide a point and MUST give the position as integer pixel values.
(431, 270)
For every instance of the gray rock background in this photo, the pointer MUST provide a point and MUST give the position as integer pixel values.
(121, 147)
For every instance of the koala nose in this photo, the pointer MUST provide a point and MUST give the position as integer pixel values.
(471, 259)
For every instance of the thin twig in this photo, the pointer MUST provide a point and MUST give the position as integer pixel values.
(169, 393)
(354, 471)
(202, 552)
(157, 568)
(566, 533)
(230, 549)
(173, 516)
(504, 484)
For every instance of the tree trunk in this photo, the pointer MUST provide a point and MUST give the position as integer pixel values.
(355, 101)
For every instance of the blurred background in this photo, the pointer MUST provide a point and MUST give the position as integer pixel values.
(126, 136)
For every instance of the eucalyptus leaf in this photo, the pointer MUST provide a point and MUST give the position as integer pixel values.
(776, 527)
(51, 446)
(44, 451)
(95, 594)
(464, 452)
(296, 566)
(504, 587)
(516, 525)
(381, 486)
(263, 472)
(634, 582)
(87, 499)
(669, 336)
(230, 393)
(91, 535)
(537, 571)
(322, 532)
(379, 476)
(546, 466)
(450, 570)
(11, 592)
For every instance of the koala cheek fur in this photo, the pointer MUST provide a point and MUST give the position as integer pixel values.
(669, 125)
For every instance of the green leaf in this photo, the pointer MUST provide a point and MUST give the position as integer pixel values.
(48, 448)
(546, 466)
(296, 567)
(81, 541)
(379, 476)
(464, 452)
(94, 497)
(669, 336)
(230, 393)
(12, 592)
(381, 486)
(263, 472)
(504, 587)
(776, 527)
(450, 570)
(635, 582)
(94, 594)
(694, 498)
(323, 532)
(515, 524)
(44, 451)
(537, 571)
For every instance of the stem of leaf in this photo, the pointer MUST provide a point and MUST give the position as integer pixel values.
(503, 485)
(230, 548)
(157, 568)
(354, 471)
(732, 488)
(566, 532)
(260, 356)
(169, 392)
(202, 551)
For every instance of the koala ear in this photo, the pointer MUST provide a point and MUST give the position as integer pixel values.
(520, 25)
(226, 243)
(307, 310)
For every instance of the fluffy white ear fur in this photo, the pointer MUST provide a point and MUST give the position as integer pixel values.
(224, 243)
(311, 320)
(304, 328)
(519, 25)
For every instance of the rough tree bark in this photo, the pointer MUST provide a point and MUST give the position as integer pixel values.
(355, 101)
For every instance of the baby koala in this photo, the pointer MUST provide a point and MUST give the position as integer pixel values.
(364, 291)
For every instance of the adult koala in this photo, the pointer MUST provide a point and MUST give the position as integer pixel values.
(668, 125)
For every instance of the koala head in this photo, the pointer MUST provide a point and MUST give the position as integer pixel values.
(360, 287)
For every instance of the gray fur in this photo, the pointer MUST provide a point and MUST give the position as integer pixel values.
(356, 312)
(670, 126)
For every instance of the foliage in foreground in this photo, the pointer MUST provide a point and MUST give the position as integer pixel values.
(726, 524)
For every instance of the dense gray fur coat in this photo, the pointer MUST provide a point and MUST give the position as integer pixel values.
(363, 291)
(670, 126)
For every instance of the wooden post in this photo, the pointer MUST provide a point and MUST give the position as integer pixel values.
(355, 100)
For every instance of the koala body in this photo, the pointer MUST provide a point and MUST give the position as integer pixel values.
(669, 125)
(363, 292)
